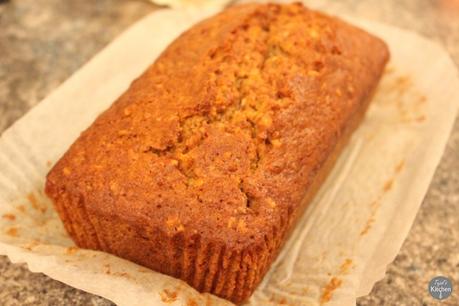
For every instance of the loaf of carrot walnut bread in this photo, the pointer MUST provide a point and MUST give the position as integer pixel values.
(202, 167)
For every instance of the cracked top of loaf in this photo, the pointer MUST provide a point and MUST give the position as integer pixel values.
(224, 133)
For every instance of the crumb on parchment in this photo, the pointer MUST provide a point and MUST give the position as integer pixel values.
(168, 296)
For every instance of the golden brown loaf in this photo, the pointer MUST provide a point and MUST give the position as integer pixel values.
(200, 169)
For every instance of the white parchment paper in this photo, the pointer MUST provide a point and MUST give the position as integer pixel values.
(187, 4)
(349, 234)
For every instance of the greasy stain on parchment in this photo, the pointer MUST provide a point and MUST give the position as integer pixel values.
(387, 186)
(398, 92)
(335, 281)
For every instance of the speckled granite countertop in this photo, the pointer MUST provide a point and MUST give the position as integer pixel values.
(42, 42)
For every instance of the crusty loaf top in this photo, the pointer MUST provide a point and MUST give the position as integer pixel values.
(223, 134)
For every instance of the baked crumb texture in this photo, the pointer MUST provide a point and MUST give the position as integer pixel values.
(200, 168)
